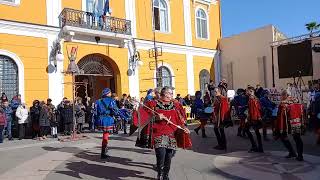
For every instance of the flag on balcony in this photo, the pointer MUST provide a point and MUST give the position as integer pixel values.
(106, 8)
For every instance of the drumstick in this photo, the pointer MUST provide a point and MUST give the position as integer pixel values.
(170, 122)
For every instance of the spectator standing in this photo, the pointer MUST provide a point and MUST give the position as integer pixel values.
(59, 115)
(44, 122)
(2, 123)
(223, 86)
(22, 116)
(52, 118)
(80, 114)
(211, 87)
(15, 103)
(9, 117)
(35, 115)
(180, 99)
(3, 97)
(258, 91)
(67, 115)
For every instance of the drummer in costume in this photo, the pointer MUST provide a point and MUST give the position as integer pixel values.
(198, 109)
(289, 121)
(240, 102)
(163, 133)
(254, 121)
(106, 108)
(221, 118)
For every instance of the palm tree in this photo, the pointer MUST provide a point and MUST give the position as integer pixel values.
(312, 26)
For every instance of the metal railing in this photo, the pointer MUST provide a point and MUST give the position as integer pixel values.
(88, 20)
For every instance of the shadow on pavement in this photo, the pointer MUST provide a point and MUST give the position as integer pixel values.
(100, 171)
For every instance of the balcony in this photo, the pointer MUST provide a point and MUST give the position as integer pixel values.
(75, 22)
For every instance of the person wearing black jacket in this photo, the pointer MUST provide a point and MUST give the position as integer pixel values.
(67, 115)
(35, 115)
(44, 121)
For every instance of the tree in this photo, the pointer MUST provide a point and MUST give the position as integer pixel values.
(312, 26)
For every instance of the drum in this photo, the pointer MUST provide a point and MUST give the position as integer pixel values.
(318, 116)
(208, 110)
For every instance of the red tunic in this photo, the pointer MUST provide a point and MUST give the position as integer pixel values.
(221, 110)
(254, 109)
(161, 130)
(289, 117)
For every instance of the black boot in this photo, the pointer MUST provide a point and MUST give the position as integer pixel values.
(204, 133)
(104, 154)
(288, 145)
(299, 145)
(197, 130)
(160, 176)
(260, 146)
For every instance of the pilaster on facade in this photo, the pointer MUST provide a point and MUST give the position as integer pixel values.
(187, 22)
(53, 11)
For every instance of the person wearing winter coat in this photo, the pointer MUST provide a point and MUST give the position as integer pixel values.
(67, 115)
(9, 117)
(44, 121)
(2, 123)
(52, 115)
(35, 115)
(80, 114)
(22, 115)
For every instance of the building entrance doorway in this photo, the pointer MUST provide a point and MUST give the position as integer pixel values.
(97, 72)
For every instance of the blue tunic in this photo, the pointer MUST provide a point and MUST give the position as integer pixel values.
(105, 112)
(241, 105)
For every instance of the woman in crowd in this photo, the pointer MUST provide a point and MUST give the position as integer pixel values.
(44, 121)
(80, 114)
(198, 109)
(67, 116)
(22, 115)
(35, 115)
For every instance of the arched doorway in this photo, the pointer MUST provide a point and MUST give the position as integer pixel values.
(99, 72)
(9, 81)
(204, 78)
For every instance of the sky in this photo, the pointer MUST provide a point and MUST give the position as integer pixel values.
(288, 16)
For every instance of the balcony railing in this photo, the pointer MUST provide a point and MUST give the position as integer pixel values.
(88, 20)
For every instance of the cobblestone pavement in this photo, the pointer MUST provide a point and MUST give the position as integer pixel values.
(52, 160)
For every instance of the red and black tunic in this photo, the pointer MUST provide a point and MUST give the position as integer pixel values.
(221, 113)
(290, 115)
(162, 132)
(254, 113)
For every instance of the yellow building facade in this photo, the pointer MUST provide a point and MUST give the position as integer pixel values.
(132, 47)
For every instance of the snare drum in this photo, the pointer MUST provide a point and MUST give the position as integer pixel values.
(208, 110)
(275, 112)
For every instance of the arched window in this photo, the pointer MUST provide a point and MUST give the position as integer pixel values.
(204, 78)
(166, 75)
(9, 83)
(202, 24)
(161, 15)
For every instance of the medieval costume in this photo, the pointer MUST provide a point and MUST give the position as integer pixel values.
(254, 121)
(198, 109)
(240, 102)
(106, 108)
(289, 121)
(267, 108)
(222, 119)
(167, 125)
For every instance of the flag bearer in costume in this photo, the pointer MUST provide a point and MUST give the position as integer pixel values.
(198, 109)
(163, 133)
(289, 121)
(240, 102)
(106, 108)
(221, 116)
(254, 121)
